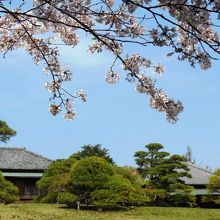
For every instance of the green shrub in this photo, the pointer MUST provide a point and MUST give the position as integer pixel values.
(8, 192)
(118, 193)
(48, 198)
(98, 183)
(54, 180)
(93, 182)
(67, 198)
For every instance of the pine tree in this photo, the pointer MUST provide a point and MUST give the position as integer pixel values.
(164, 174)
(5, 132)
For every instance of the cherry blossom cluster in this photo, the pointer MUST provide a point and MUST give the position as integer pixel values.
(112, 77)
(187, 27)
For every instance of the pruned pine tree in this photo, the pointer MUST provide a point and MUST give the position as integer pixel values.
(163, 174)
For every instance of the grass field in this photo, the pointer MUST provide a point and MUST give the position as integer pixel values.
(51, 212)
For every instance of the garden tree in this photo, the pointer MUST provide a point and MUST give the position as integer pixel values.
(178, 193)
(8, 192)
(93, 150)
(214, 187)
(94, 181)
(131, 174)
(163, 174)
(55, 180)
(124, 189)
(214, 182)
(149, 167)
(149, 160)
(56, 176)
(88, 175)
(91, 181)
(5, 132)
(187, 29)
(119, 192)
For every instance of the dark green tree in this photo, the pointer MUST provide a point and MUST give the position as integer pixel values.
(5, 132)
(177, 193)
(149, 160)
(93, 150)
(163, 174)
(8, 192)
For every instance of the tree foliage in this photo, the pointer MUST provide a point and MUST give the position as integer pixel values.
(188, 29)
(67, 198)
(90, 174)
(164, 174)
(149, 160)
(93, 150)
(97, 182)
(214, 182)
(119, 192)
(5, 132)
(8, 192)
(214, 188)
(91, 181)
(55, 180)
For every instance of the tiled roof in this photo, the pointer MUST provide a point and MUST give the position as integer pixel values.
(199, 175)
(21, 159)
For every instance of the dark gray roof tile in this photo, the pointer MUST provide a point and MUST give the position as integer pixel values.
(199, 175)
(21, 159)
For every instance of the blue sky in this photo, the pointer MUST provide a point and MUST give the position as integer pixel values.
(115, 115)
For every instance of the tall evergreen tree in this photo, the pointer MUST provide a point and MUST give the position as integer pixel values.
(149, 160)
(93, 150)
(164, 174)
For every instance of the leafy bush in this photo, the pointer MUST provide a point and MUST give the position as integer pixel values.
(92, 182)
(55, 180)
(213, 187)
(47, 198)
(8, 192)
(97, 182)
(67, 198)
(118, 192)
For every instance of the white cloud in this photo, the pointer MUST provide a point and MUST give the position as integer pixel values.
(81, 58)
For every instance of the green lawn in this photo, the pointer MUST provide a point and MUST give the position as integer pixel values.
(49, 212)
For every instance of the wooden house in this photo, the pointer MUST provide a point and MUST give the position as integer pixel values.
(23, 168)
